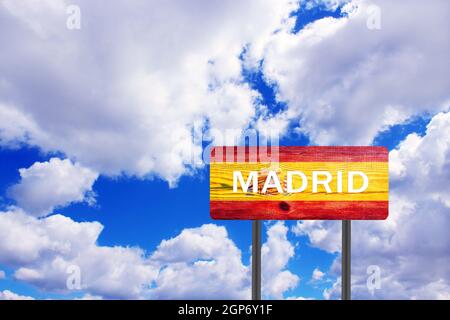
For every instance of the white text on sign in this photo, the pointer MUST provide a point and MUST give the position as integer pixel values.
(318, 179)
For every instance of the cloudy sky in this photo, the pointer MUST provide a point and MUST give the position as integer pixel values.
(106, 109)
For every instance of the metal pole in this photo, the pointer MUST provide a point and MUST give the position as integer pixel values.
(256, 260)
(346, 259)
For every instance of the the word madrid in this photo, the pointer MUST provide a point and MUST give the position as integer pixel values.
(318, 178)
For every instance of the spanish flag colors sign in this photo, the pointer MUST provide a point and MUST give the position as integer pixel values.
(300, 183)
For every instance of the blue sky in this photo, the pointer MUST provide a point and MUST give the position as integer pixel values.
(138, 212)
(127, 207)
(317, 92)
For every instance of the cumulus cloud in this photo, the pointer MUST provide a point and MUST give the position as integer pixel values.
(122, 95)
(323, 233)
(421, 165)
(43, 251)
(299, 298)
(411, 247)
(337, 69)
(201, 263)
(89, 297)
(204, 263)
(57, 254)
(48, 185)
(9, 295)
(328, 4)
(278, 250)
(317, 275)
(198, 263)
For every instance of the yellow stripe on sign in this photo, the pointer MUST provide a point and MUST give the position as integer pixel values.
(221, 181)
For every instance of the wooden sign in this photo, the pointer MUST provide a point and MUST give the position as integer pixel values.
(301, 183)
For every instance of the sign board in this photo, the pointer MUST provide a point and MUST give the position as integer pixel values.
(300, 183)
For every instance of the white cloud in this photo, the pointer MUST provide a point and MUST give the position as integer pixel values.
(324, 234)
(43, 250)
(49, 185)
(9, 295)
(328, 4)
(421, 165)
(299, 298)
(278, 250)
(343, 83)
(198, 263)
(2, 275)
(204, 263)
(14, 125)
(121, 95)
(89, 297)
(412, 246)
(317, 275)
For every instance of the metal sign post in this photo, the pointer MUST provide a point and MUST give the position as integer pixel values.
(256, 260)
(346, 259)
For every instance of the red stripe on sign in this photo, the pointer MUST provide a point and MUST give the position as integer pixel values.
(299, 154)
(299, 210)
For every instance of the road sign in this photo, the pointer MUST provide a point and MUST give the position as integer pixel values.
(299, 183)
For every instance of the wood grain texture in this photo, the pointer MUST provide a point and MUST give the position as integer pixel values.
(299, 154)
(299, 210)
(221, 181)
(372, 204)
